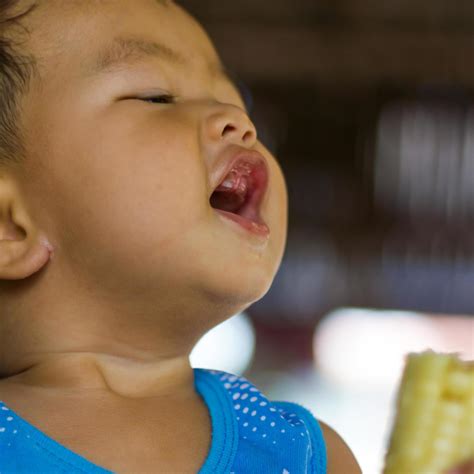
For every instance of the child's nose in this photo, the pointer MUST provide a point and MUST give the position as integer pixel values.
(230, 123)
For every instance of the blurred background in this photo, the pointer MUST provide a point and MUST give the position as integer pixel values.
(369, 108)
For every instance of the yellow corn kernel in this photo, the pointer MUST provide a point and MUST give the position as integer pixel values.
(434, 425)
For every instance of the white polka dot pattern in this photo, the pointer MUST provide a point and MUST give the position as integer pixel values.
(257, 418)
(264, 435)
(4, 418)
(264, 426)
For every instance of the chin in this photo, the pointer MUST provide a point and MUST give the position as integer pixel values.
(238, 291)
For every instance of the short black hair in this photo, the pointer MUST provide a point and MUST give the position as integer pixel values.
(17, 69)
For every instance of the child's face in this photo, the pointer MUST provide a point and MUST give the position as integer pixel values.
(122, 186)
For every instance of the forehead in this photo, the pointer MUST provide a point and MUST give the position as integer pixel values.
(123, 51)
(102, 33)
(92, 41)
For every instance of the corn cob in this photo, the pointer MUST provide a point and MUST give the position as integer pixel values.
(433, 429)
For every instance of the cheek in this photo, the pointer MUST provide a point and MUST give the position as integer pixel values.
(126, 198)
(149, 201)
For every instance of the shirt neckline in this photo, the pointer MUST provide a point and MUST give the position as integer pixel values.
(224, 438)
(225, 431)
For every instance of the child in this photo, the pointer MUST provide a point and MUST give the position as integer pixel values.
(118, 125)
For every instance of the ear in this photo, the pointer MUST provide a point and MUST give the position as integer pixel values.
(23, 248)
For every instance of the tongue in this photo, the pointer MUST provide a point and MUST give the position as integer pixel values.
(230, 195)
(227, 201)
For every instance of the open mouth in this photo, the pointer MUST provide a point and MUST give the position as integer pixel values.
(241, 192)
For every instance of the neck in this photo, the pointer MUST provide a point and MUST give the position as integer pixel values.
(79, 337)
(127, 377)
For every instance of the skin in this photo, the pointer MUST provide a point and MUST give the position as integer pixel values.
(113, 264)
(465, 468)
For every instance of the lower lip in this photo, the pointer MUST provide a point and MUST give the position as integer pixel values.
(260, 229)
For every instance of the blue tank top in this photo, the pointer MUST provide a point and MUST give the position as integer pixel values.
(250, 434)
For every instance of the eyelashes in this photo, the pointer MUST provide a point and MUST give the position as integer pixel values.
(160, 99)
(244, 91)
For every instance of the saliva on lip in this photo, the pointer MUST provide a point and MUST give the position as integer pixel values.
(255, 227)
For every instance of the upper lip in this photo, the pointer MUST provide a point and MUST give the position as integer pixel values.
(253, 157)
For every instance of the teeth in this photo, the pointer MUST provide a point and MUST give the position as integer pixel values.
(243, 185)
(230, 180)
(234, 182)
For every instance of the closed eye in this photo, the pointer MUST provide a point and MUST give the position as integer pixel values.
(160, 99)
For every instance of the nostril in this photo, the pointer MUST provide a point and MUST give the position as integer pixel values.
(228, 128)
(247, 135)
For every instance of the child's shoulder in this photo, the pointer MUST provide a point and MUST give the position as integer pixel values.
(282, 428)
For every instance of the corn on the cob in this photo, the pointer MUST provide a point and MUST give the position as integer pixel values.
(434, 426)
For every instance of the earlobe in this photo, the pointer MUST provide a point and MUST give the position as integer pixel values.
(20, 259)
(23, 249)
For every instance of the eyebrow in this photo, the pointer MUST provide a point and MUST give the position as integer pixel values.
(125, 51)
